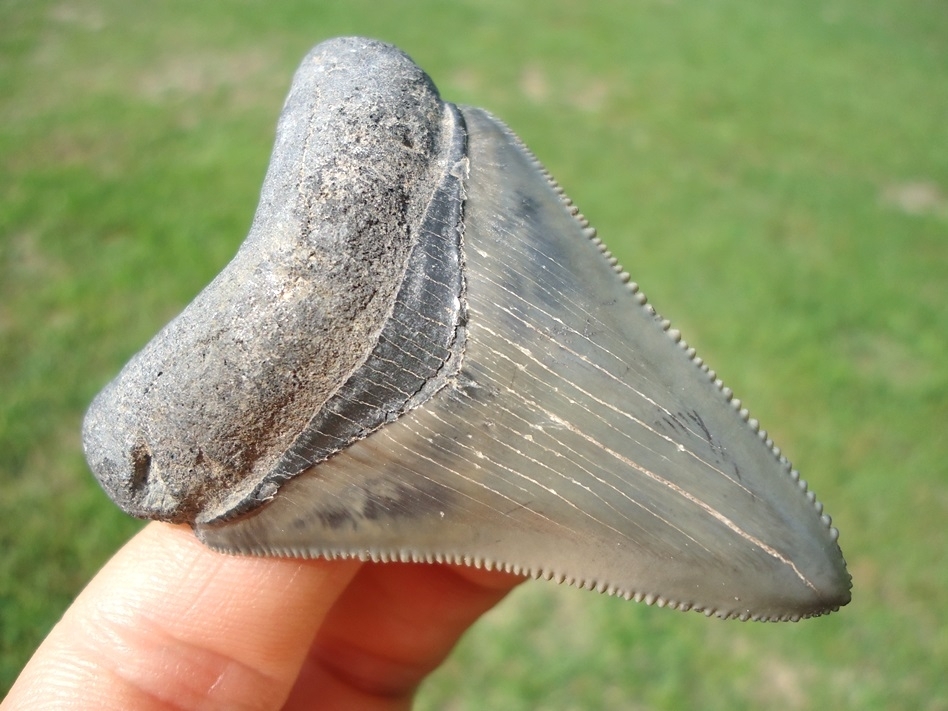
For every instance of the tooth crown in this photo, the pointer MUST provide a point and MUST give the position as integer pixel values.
(673, 333)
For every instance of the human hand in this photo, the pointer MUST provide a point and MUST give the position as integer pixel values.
(169, 623)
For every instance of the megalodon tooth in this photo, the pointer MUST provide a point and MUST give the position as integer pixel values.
(423, 352)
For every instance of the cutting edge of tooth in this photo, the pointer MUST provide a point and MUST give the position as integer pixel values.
(752, 422)
(642, 300)
(554, 185)
(405, 555)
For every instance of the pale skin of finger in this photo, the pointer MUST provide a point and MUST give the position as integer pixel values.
(169, 624)
(391, 628)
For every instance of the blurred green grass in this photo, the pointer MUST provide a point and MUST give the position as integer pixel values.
(774, 175)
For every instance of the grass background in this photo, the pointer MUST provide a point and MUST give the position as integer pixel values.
(775, 175)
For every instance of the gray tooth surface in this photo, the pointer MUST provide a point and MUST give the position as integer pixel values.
(421, 353)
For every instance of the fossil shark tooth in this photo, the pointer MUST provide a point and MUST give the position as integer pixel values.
(423, 352)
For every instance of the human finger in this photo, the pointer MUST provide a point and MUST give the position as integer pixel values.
(169, 623)
(393, 625)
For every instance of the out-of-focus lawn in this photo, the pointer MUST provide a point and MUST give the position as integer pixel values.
(775, 175)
